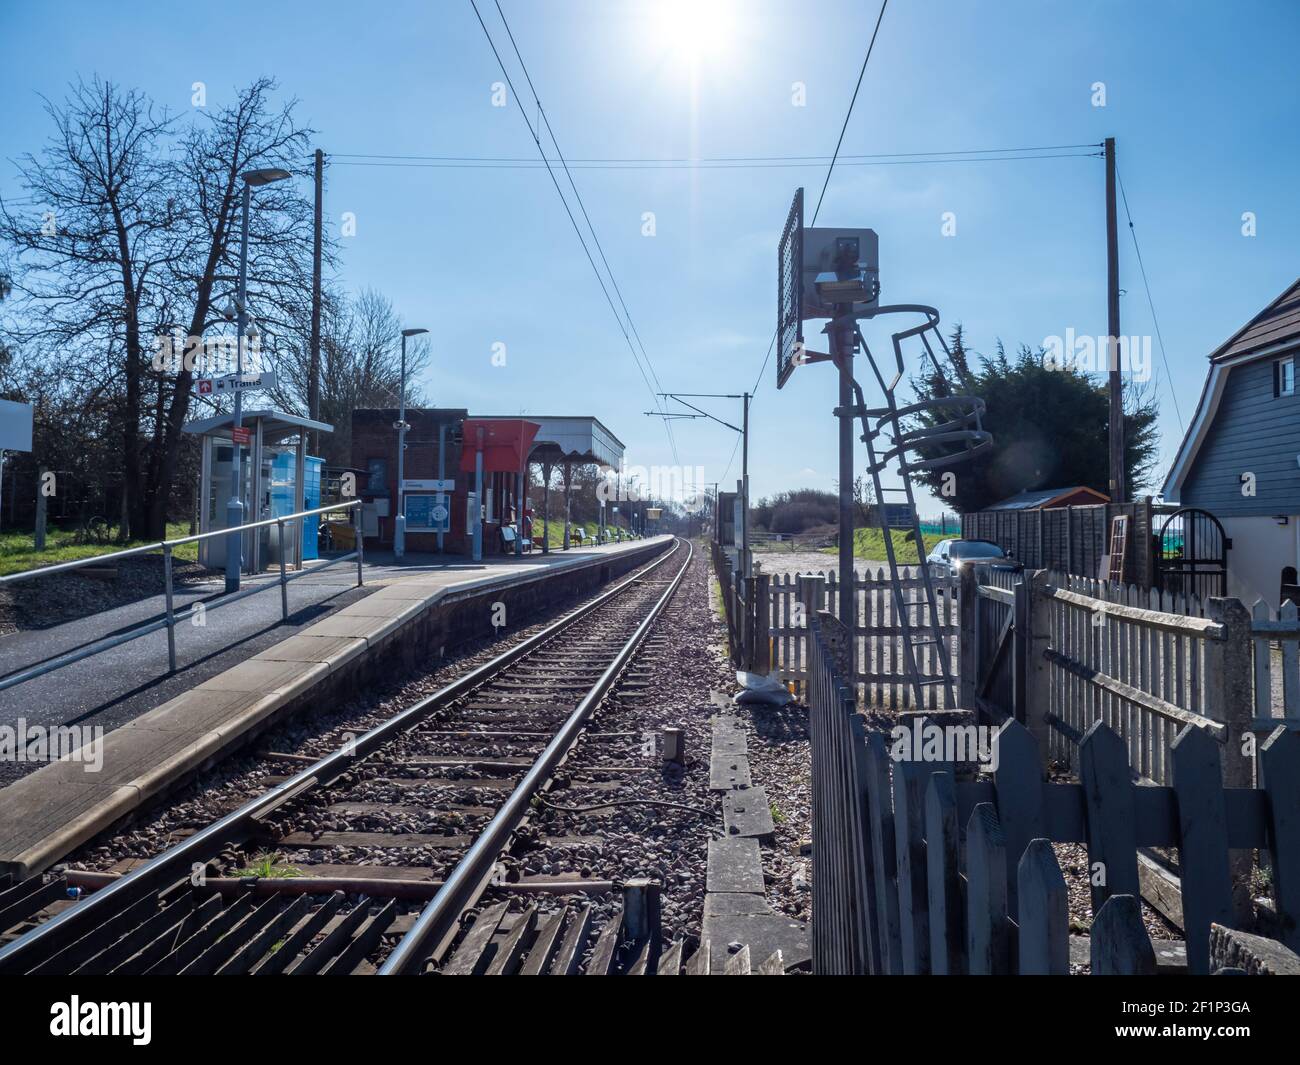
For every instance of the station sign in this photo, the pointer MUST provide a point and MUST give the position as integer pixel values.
(241, 434)
(247, 382)
(409, 485)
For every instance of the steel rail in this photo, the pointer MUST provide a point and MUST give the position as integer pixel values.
(466, 879)
(177, 862)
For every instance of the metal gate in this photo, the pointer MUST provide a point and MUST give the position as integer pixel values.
(1192, 554)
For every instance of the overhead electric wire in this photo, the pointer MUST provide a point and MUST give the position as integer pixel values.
(817, 160)
(563, 199)
(505, 164)
(541, 111)
(844, 128)
(1150, 302)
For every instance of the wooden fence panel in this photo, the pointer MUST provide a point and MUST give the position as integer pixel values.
(1203, 866)
(943, 877)
(1112, 841)
(1120, 944)
(988, 941)
(1043, 913)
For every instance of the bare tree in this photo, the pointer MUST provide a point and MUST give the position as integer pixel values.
(252, 133)
(93, 258)
(134, 237)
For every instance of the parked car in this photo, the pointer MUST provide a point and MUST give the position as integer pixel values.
(949, 556)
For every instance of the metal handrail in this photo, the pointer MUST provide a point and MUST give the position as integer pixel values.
(93, 560)
(171, 616)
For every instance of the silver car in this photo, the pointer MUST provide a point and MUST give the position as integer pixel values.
(949, 556)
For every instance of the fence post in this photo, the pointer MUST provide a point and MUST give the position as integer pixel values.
(1019, 647)
(1229, 697)
(1229, 685)
(750, 624)
(967, 637)
(1033, 644)
(812, 598)
(836, 637)
(763, 624)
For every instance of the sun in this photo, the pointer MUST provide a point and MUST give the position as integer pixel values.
(691, 31)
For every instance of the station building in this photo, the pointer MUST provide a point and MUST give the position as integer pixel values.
(446, 448)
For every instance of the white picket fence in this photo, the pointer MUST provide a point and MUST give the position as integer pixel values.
(879, 674)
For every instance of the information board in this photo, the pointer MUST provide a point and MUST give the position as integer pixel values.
(427, 512)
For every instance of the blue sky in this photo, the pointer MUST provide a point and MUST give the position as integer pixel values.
(1202, 98)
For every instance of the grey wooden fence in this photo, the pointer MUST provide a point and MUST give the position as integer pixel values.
(1082, 650)
(746, 604)
(876, 672)
(1276, 664)
(955, 873)
(1071, 539)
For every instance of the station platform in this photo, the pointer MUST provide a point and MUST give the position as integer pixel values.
(414, 609)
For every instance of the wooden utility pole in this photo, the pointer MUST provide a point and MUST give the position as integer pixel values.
(1117, 487)
(843, 340)
(313, 372)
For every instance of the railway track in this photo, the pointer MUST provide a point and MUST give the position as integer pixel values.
(423, 808)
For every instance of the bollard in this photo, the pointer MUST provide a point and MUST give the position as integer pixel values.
(641, 909)
(674, 746)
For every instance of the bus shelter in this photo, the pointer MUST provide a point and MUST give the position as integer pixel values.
(278, 477)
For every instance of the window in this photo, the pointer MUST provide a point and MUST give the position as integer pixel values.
(1284, 377)
(377, 476)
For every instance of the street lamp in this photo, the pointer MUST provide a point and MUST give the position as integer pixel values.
(399, 523)
(235, 508)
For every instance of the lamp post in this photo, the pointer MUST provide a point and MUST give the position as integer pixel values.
(235, 508)
(399, 523)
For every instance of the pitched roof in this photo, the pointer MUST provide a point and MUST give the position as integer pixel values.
(1043, 497)
(1278, 321)
(1275, 324)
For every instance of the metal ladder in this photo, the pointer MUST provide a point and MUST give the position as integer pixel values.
(964, 428)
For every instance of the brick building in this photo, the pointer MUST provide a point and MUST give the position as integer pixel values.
(444, 444)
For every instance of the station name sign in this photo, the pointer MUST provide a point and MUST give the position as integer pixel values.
(248, 382)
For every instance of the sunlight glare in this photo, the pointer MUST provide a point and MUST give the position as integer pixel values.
(692, 30)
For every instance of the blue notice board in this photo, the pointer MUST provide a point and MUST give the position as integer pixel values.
(427, 512)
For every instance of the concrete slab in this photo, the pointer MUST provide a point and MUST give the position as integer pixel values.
(747, 812)
(763, 934)
(730, 904)
(369, 627)
(204, 710)
(735, 865)
(375, 606)
(727, 771)
(310, 646)
(279, 678)
(41, 824)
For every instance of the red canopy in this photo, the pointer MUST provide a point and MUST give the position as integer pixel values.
(505, 443)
